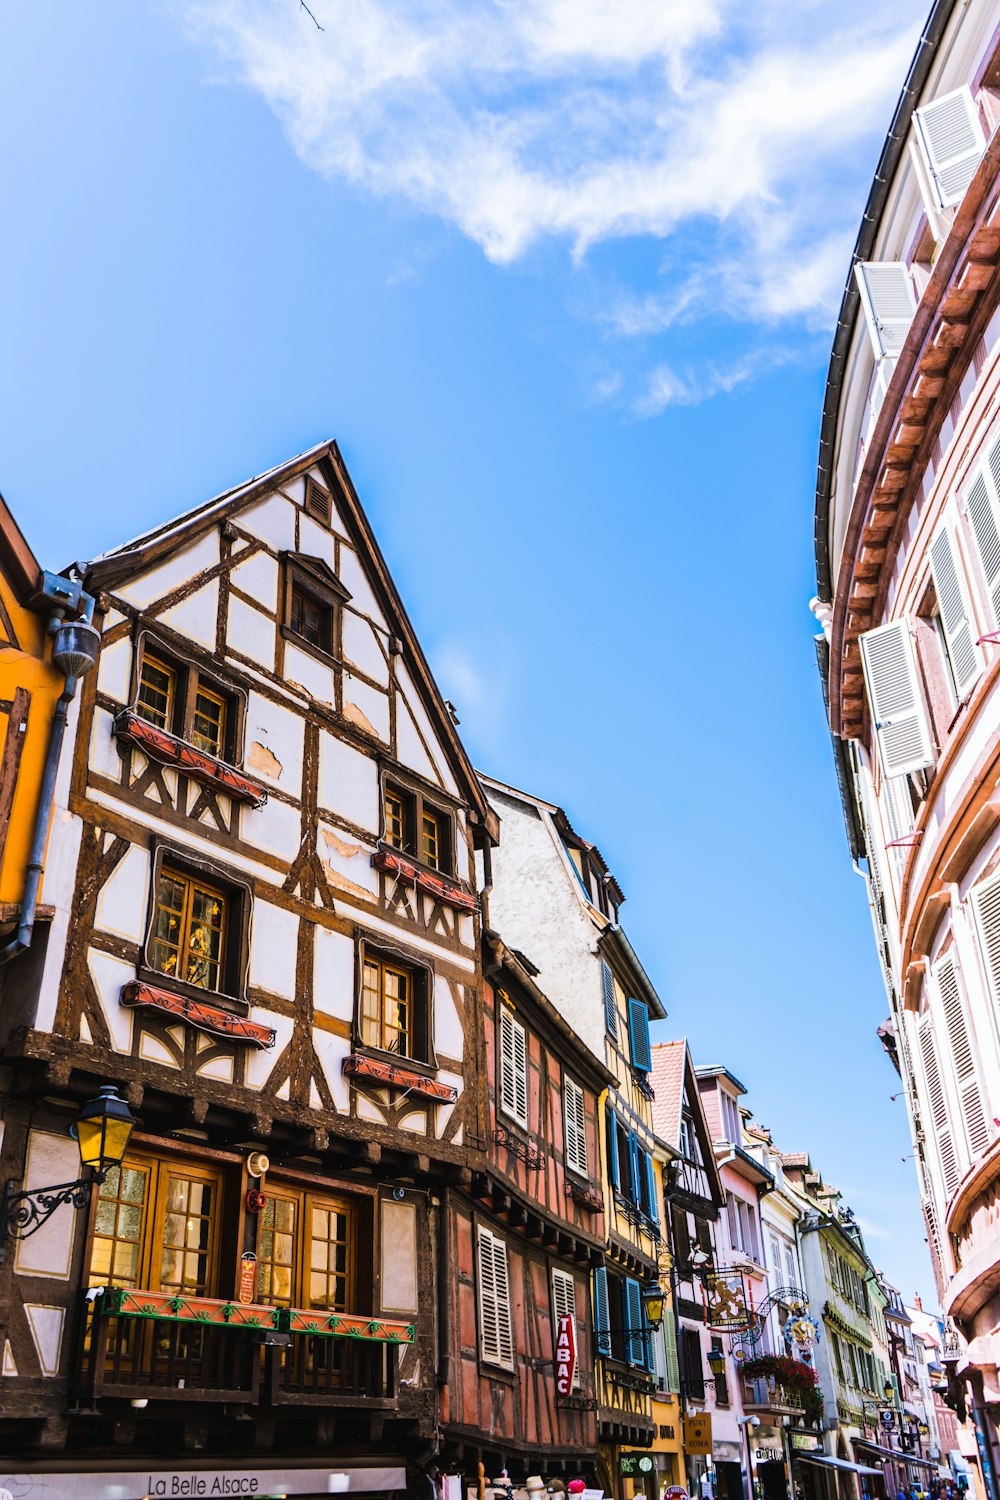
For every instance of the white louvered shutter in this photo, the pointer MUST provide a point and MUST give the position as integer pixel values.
(513, 1067)
(496, 1333)
(888, 302)
(563, 1303)
(986, 906)
(963, 1058)
(951, 139)
(956, 614)
(938, 1107)
(982, 502)
(899, 713)
(576, 1127)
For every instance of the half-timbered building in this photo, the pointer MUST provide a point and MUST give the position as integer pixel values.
(523, 1241)
(265, 933)
(554, 899)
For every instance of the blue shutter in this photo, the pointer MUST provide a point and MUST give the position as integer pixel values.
(654, 1210)
(614, 1166)
(638, 1027)
(635, 1344)
(633, 1161)
(610, 1004)
(602, 1313)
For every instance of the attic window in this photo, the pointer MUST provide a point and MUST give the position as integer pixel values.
(318, 501)
(313, 599)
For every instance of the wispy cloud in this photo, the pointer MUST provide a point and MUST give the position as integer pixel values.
(725, 133)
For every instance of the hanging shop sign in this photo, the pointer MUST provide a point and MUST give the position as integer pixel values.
(636, 1463)
(698, 1434)
(565, 1354)
(728, 1300)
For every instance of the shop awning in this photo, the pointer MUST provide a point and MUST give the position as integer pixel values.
(896, 1454)
(833, 1463)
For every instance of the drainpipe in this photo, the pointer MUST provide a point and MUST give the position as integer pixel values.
(74, 652)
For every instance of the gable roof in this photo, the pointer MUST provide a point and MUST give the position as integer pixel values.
(152, 546)
(674, 1081)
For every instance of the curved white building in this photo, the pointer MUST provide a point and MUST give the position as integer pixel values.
(908, 561)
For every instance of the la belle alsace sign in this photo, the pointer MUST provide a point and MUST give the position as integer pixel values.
(203, 1484)
(565, 1354)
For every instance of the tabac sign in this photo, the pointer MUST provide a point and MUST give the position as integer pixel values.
(565, 1354)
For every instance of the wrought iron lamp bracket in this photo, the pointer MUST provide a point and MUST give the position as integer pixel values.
(23, 1212)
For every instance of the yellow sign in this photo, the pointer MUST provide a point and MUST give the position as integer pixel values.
(698, 1434)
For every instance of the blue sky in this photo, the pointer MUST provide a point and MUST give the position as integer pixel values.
(561, 279)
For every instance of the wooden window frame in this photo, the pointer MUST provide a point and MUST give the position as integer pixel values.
(313, 577)
(358, 1212)
(191, 676)
(154, 1211)
(376, 949)
(236, 957)
(416, 803)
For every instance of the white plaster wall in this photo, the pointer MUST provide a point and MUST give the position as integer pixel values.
(154, 583)
(373, 705)
(449, 1038)
(110, 975)
(275, 828)
(114, 668)
(261, 1060)
(281, 731)
(361, 647)
(422, 720)
(314, 540)
(273, 939)
(49, 1251)
(409, 747)
(258, 577)
(104, 757)
(348, 782)
(306, 672)
(250, 632)
(272, 520)
(347, 863)
(331, 1051)
(197, 616)
(333, 984)
(536, 910)
(353, 577)
(123, 902)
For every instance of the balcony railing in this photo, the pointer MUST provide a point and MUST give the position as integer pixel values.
(766, 1394)
(156, 1347)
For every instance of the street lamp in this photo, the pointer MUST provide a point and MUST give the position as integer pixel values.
(652, 1303)
(717, 1362)
(101, 1130)
(889, 1391)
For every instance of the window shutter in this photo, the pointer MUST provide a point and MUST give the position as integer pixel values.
(496, 1332)
(635, 1342)
(638, 1027)
(614, 1165)
(576, 1128)
(654, 1208)
(982, 501)
(955, 614)
(896, 697)
(633, 1162)
(670, 1349)
(986, 906)
(951, 139)
(513, 1067)
(563, 1304)
(964, 1060)
(888, 303)
(602, 1312)
(938, 1107)
(610, 1003)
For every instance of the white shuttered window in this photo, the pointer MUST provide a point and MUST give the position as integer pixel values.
(956, 1019)
(938, 1106)
(496, 1336)
(563, 1303)
(951, 139)
(899, 712)
(982, 502)
(888, 303)
(956, 614)
(513, 1067)
(986, 908)
(576, 1126)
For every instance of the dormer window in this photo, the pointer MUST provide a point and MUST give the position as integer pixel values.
(311, 618)
(314, 597)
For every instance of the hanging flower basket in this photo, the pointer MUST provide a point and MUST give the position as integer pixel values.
(798, 1379)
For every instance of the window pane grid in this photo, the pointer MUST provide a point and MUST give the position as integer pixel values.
(157, 684)
(116, 1254)
(187, 1236)
(395, 820)
(209, 725)
(386, 1007)
(189, 930)
(430, 848)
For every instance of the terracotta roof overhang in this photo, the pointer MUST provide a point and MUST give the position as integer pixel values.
(957, 304)
(21, 567)
(614, 941)
(892, 151)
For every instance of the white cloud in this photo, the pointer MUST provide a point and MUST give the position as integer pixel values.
(717, 129)
(666, 386)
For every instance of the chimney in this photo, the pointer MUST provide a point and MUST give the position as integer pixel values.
(917, 1302)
